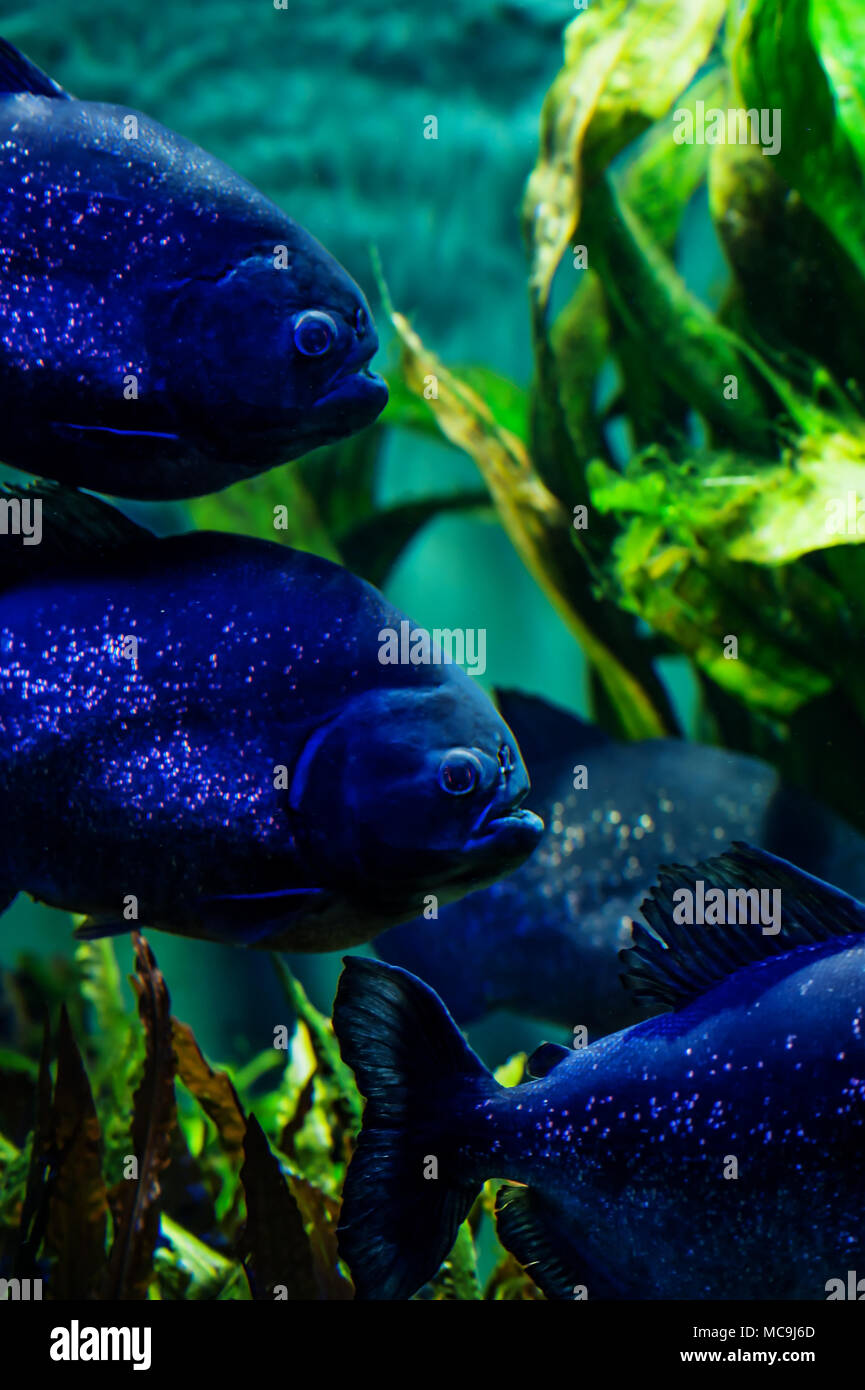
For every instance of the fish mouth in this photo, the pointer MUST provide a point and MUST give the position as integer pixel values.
(515, 831)
(356, 386)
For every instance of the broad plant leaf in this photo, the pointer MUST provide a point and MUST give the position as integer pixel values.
(279, 1260)
(689, 350)
(535, 520)
(214, 1090)
(782, 61)
(625, 63)
(660, 177)
(136, 1202)
(78, 1202)
(682, 563)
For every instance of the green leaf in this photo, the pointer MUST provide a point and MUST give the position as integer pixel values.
(506, 399)
(744, 507)
(136, 1202)
(778, 68)
(15, 1062)
(797, 288)
(625, 63)
(510, 1283)
(565, 430)
(685, 345)
(274, 506)
(661, 177)
(323, 1038)
(340, 479)
(457, 1279)
(512, 1072)
(838, 30)
(213, 1090)
(275, 1239)
(540, 530)
(685, 561)
(78, 1201)
(192, 1271)
(320, 1212)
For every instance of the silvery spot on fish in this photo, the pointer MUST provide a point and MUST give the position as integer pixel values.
(211, 338)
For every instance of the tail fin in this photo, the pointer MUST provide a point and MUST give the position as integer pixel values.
(411, 1062)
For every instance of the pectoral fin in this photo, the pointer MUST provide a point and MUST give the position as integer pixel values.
(68, 429)
(95, 928)
(545, 1057)
(246, 918)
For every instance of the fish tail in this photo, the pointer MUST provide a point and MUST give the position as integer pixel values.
(402, 1203)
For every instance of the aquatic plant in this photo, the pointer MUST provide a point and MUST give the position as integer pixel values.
(689, 470)
(150, 1174)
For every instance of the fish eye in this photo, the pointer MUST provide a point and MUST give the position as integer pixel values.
(314, 333)
(459, 772)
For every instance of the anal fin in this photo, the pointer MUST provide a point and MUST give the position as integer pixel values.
(531, 1229)
(246, 919)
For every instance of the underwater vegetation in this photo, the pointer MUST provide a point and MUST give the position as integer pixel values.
(152, 1174)
(682, 479)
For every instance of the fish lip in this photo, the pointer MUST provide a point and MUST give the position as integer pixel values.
(356, 371)
(372, 386)
(517, 820)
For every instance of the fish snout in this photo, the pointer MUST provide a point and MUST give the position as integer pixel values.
(504, 825)
(354, 383)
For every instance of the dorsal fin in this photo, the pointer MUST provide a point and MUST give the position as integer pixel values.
(74, 529)
(672, 963)
(545, 1057)
(18, 74)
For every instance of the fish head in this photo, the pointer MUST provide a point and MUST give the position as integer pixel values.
(410, 792)
(283, 340)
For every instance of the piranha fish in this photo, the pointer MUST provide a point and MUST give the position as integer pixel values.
(196, 732)
(165, 329)
(543, 942)
(717, 1151)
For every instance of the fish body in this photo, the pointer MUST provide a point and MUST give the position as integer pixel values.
(543, 941)
(197, 734)
(165, 329)
(714, 1152)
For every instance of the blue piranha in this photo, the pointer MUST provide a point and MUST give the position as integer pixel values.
(198, 734)
(543, 942)
(165, 329)
(714, 1152)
